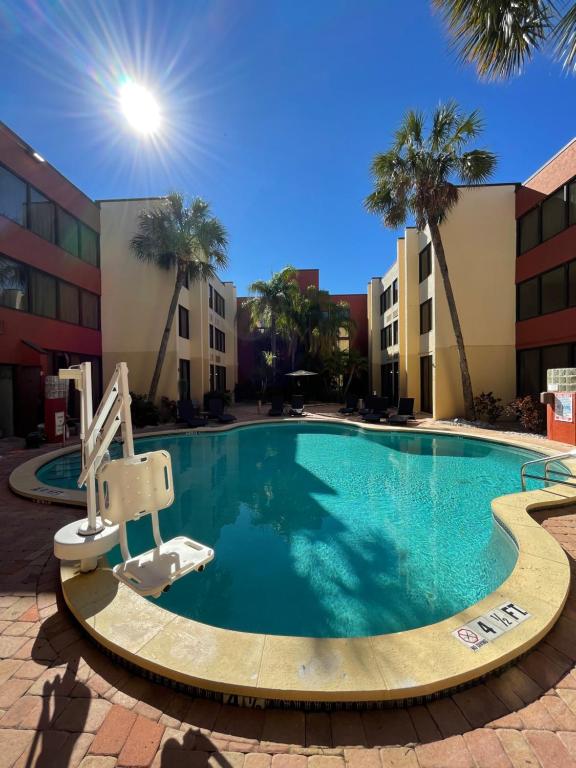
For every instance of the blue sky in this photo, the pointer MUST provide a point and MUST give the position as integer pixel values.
(272, 112)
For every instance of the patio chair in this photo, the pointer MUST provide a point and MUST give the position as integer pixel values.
(405, 412)
(189, 413)
(368, 402)
(276, 406)
(351, 404)
(297, 405)
(378, 411)
(216, 411)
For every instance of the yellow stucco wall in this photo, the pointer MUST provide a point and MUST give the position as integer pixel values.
(479, 239)
(135, 300)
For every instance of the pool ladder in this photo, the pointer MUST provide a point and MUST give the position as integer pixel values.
(550, 475)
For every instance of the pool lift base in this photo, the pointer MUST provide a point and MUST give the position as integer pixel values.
(128, 488)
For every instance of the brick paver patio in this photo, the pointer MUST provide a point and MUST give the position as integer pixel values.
(64, 703)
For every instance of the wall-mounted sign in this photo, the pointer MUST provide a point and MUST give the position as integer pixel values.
(490, 626)
(563, 410)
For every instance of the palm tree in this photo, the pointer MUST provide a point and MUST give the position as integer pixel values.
(185, 238)
(501, 36)
(270, 305)
(416, 176)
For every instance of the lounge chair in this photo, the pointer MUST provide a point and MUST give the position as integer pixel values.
(297, 406)
(276, 406)
(378, 410)
(368, 402)
(189, 413)
(405, 411)
(351, 404)
(216, 411)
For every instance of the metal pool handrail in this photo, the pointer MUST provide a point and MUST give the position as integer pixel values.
(546, 460)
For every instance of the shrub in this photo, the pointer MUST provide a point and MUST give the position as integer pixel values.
(226, 397)
(144, 412)
(488, 407)
(530, 413)
(168, 410)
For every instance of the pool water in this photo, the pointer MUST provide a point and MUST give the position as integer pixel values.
(329, 531)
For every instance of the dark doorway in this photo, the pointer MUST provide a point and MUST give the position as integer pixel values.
(27, 399)
(389, 381)
(426, 384)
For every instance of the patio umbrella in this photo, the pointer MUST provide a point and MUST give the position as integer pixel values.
(301, 373)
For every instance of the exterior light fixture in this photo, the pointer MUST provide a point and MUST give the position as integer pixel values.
(38, 157)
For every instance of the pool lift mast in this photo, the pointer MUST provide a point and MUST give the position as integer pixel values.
(121, 490)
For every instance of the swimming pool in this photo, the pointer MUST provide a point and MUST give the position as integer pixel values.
(325, 530)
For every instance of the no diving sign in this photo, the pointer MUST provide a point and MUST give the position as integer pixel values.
(491, 625)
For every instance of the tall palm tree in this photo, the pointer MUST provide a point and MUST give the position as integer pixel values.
(501, 36)
(187, 239)
(416, 176)
(270, 305)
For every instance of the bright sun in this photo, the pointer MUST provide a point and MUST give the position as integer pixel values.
(140, 108)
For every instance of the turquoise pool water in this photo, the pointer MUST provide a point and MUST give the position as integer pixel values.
(329, 531)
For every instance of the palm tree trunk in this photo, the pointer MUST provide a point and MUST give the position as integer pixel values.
(273, 346)
(350, 377)
(470, 411)
(166, 335)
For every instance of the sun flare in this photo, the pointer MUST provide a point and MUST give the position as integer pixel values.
(140, 108)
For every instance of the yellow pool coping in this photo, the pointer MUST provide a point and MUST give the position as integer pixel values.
(392, 667)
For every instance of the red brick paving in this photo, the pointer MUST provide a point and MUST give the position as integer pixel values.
(66, 705)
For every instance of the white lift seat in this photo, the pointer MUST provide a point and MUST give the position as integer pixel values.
(142, 485)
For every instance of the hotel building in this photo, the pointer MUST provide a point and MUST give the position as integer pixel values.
(49, 282)
(418, 358)
(202, 349)
(546, 271)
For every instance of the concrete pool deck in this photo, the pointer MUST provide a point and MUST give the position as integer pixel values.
(58, 691)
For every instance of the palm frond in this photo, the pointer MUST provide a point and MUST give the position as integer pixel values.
(564, 35)
(477, 166)
(498, 36)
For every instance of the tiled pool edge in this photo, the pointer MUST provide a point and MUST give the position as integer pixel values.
(389, 668)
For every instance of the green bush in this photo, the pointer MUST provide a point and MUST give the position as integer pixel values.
(530, 413)
(488, 408)
(144, 412)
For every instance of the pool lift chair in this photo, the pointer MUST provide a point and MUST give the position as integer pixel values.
(128, 488)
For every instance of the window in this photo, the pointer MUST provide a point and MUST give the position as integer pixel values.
(572, 203)
(382, 344)
(553, 214)
(387, 336)
(13, 284)
(67, 232)
(211, 330)
(529, 371)
(533, 365)
(184, 379)
(42, 294)
(395, 332)
(68, 303)
(553, 290)
(12, 197)
(386, 300)
(395, 292)
(89, 303)
(529, 230)
(88, 245)
(426, 316)
(219, 304)
(186, 279)
(219, 340)
(210, 297)
(30, 208)
(41, 215)
(425, 262)
(211, 388)
(219, 378)
(572, 284)
(528, 299)
(183, 323)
